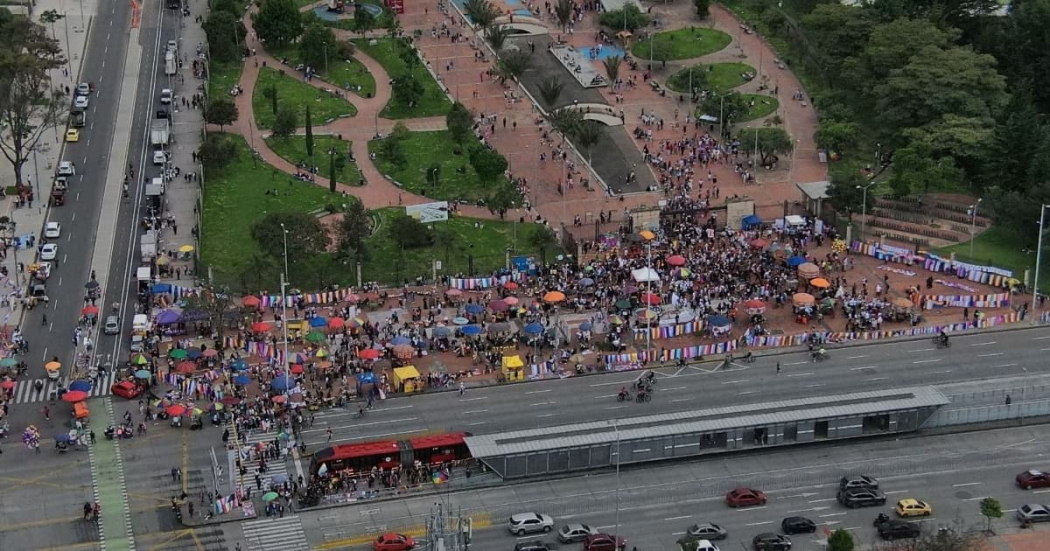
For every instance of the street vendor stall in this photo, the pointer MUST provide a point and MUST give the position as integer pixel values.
(513, 368)
(407, 379)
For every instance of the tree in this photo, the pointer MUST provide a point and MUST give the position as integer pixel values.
(218, 151)
(991, 509)
(488, 163)
(410, 233)
(497, 35)
(481, 12)
(354, 229)
(391, 149)
(284, 123)
(225, 35)
(433, 174)
(612, 67)
(834, 32)
(50, 17)
(587, 135)
(270, 93)
(278, 22)
(542, 240)
(660, 50)
(726, 105)
(28, 102)
(846, 188)
(309, 133)
(504, 198)
(232, 7)
(460, 122)
(331, 171)
(891, 46)
(513, 65)
(835, 135)
(565, 120)
(564, 10)
(916, 165)
(314, 44)
(216, 303)
(550, 88)
(841, 540)
(258, 267)
(771, 141)
(703, 8)
(628, 18)
(221, 111)
(306, 235)
(363, 19)
(407, 89)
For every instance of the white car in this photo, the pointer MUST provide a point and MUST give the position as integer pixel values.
(81, 102)
(53, 229)
(48, 251)
(159, 157)
(529, 523)
(165, 96)
(83, 89)
(67, 168)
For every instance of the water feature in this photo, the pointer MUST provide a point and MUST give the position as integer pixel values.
(607, 50)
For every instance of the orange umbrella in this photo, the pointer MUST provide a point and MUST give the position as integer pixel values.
(368, 354)
(554, 296)
(251, 301)
(260, 327)
(820, 283)
(186, 367)
(803, 299)
(404, 351)
(510, 285)
(808, 270)
(647, 235)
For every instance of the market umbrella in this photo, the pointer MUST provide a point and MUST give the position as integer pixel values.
(210, 353)
(534, 328)
(511, 301)
(623, 304)
(7, 384)
(321, 353)
(91, 284)
(808, 270)
(239, 365)
(260, 327)
(441, 331)
(803, 299)
(89, 310)
(820, 283)
(186, 367)
(499, 306)
(242, 380)
(352, 298)
(400, 339)
(796, 261)
(279, 384)
(269, 496)
(759, 243)
(676, 260)
(143, 374)
(53, 366)
(279, 478)
(616, 320)
(74, 396)
(299, 358)
(554, 296)
(167, 317)
(513, 362)
(279, 399)
(336, 323)
(474, 308)
(646, 314)
(471, 330)
(177, 353)
(163, 261)
(460, 320)
(404, 351)
(652, 299)
(297, 369)
(318, 321)
(902, 303)
(8, 362)
(719, 321)
(368, 354)
(510, 285)
(681, 273)
(193, 353)
(62, 437)
(176, 410)
(453, 293)
(315, 336)
(251, 301)
(230, 400)
(186, 249)
(501, 327)
(586, 282)
(755, 306)
(140, 360)
(80, 385)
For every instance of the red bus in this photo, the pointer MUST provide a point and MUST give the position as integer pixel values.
(432, 449)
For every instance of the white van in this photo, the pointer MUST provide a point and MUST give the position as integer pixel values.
(140, 323)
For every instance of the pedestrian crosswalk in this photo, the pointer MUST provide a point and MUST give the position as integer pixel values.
(278, 534)
(25, 391)
(275, 468)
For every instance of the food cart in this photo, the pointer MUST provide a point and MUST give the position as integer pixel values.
(408, 379)
(80, 411)
(513, 368)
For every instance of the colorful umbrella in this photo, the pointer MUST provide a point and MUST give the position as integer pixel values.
(239, 365)
(251, 301)
(315, 336)
(534, 328)
(647, 314)
(510, 285)
(186, 367)
(260, 327)
(140, 360)
(676, 260)
(368, 354)
(616, 320)
(90, 310)
(336, 323)
(623, 304)
(553, 297)
(404, 351)
(719, 321)
(820, 283)
(242, 380)
(269, 496)
(321, 353)
(460, 320)
(279, 399)
(471, 330)
(7, 384)
(511, 301)
(453, 293)
(318, 321)
(352, 299)
(441, 331)
(210, 353)
(474, 308)
(755, 306)
(297, 369)
(80, 385)
(652, 299)
(8, 362)
(398, 340)
(682, 273)
(176, 410)
(143, 374)
(585, 282)
(499, 306)
(759, 243)
(177, 354)
(193, 353)
(52, 366)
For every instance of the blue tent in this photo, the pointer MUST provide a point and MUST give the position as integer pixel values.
(474, 308)
(796, 261)
(534, 328)
(471, 330)
(84, 386)
(318, 321)
(719, 321)
(751, 220)
(160, 288)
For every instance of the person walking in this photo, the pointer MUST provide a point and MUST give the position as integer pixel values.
(47, 413)
(778, 368)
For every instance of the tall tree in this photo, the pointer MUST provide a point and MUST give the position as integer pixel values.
(513, 65)
(460, 122)
(612, 67)
(497, 36)
(225, 34)
(284, 123)
(835, 135)
(771, 141)
(407, 89)
(833, 33)
(1022, 45)
(216, 302)
(702, 7)
(270, 93)
(278, 22)
(586, 135)
(550, 89)
(481, 12)
(306, 235)
(488, 163)
(28, 101)
(316, 44)
(363, 19)
(331, 171)
(564, 11)
(354, 229)
(221, 111)
(309, 133)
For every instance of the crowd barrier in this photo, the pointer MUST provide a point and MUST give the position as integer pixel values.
(479, 283)
(668, 331)
(671, 354)
(996, 300)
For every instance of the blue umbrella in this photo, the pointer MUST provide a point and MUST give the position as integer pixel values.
(399, 340)
(62, 437)
(474, 308)
(719, 321)
(242, 380)
(279, 384)
(585, 326)
(471, 330)
(160, 288)
(239, 365)
(168, 317)
(534, 328)
(586, 282)
(143, 374)
(84, 386)
(442, 331)
(279, 478)
(193, 353)
(318, 321)
(460, 321)
(796, 261)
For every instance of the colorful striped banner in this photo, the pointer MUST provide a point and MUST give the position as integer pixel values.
(479, 283)
(996, 300)
(777, 341)
(668, 331)
(618, 361)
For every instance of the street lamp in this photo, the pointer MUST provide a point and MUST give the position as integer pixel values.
(616, 523)
(325, 45)
(973, 220)
(864, 210)
(1038, 261)
(284, 307)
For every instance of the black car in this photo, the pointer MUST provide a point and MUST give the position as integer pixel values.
(861, 497)
(798, 525)
(858, 481)
(897, 529)
(771, 542)
(532, 546)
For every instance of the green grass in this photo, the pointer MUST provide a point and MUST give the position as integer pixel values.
(293, 150)
(434, 101)
(235, 199)
(303, 3)
(683, 43)
(764, 105)
(424, 149)
(349, 74)
(224, 75)
(998, 248)
(296, 93)
(487, 243)
(720, 76)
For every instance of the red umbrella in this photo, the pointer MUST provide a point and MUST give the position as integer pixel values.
(260, 327)
(510, 285)
(230, 400)
(759, 243)
(676, 260)
(336, 323)
(352, 298)
(175, 410)
(453, 293)
(7, 385)
(755, 306)
(210, 353)
(499, 306)
(186, 367)
(652, 299)
(74, 396)
(368, 354)
(279, 399)
(90, 310)
(297, 369)
(251, 301)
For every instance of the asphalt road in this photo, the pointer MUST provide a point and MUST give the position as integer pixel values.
(952, 472)
(973, 359)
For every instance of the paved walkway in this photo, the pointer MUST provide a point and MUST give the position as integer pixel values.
(107, 473)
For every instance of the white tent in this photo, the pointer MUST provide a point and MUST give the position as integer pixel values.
(645, 275)
(794, 221)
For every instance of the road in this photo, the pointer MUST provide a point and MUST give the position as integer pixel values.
(657, 503)
(973, 358)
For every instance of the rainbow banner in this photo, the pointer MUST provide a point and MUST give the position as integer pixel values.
(996, 300)
(480, 283)
(625, 362)
(668, 331)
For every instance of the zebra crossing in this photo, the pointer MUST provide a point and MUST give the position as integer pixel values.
(273, 468)
(26, 393)
(278, 534)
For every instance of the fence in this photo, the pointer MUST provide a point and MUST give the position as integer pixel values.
(988, 414)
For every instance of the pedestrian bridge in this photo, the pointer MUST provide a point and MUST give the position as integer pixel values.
(632, 440)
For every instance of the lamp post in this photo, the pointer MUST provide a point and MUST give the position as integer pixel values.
(973, 221)
(1038, 261)
(616, 522)
(325, 45)
(864, 210)
(284, 308)
(1024, 391)
(649, 294)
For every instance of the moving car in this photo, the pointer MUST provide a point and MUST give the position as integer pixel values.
(913, 508)
(392, 541)
(861, 497)
(112, 326)
(1033, 479)
(49, 251)
(66, 168)
(771, 542)
(572, 533)
(165, 96)
(83, 89)
(743, 497)
(798, 525)
(604, 542)
(530, 523)
(53, 229)
(73, 135)
(691, 544)
(159, 157)
(81, 102)
(532, 546)
(707, 531)
(897, 529)
(858, 481)
(126, 389)
(1033, 512)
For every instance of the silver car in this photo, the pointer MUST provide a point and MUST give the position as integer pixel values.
(112, 326)
(572, 533)
(1033, 512)
(529, 523)
(707, 531)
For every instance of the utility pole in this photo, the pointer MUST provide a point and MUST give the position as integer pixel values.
(447, 531)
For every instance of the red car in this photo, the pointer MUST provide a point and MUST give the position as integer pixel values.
(393, 542)
(126, 389)
(744, 497)
(1033, 479)
(604, 542)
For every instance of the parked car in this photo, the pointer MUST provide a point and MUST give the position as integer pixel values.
(66, 168)
(910, 507)
(159, 157)
(573, 533)
(798, 525)
(392, 541)
(49, 251)
(693, 544)
(771, 542)
(83, 89)
(861, 497)
(1033, 479)
(1033, 512)
(604, 542)
(532, 546)
(530, 523)
(73, 135)
(81, 102)
(707, 531)
(743, 497)
(53, 230)
(858, 481)
(897, 529)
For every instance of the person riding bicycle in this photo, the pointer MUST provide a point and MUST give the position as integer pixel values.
(623, 392)
(642, 391)
(820, 353)
(944, 338)
(87, 510)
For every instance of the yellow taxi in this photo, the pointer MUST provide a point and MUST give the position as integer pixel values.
(73, 135)
(913, 508)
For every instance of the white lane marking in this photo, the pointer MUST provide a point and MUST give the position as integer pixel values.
(1003, 365)
(473, 399)
(678, 400)
(873, 379)
(797, 363)
(989, 355)
(540, 404)
(806, 374)
(833, 515)
(927, 361)
(674, 388)
(983, 343)
(1041, 338)
(961, 484)
(473, 411)
(619, 407)
(891, 492)
(678, 518)
(942, 372)
(603, 396)
(734, 382)
(856, 357)
(546, 415)
(923, 350)
(746, 392)
(815, 385)
(539, 391)
(862, 367)
(821, 500)
(759, 523)
(476, 424)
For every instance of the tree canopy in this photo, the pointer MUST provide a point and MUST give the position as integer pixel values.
(306, 236)
(278, 22)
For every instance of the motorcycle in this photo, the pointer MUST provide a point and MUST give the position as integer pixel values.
(820, 355)
(941, 343)
(622, 396)
(643, 396)
(881, 519)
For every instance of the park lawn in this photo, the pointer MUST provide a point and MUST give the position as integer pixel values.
(998, 248)
(764, 105)
(293, 150)
(434, 101)
(425, 149)
(349, 74)
(720, 76)
(293, 91)
(224, 75)
(487, 240)
(235, 199)
(684, 43)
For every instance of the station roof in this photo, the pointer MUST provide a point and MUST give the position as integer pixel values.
(703, 421)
